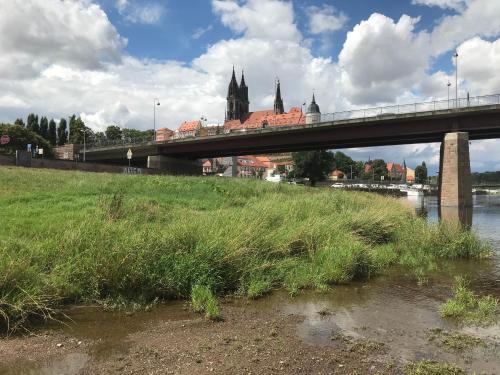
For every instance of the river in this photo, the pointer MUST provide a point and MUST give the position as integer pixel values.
(391, 309)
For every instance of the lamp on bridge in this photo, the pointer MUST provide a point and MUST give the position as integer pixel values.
(156, 102)
(456, 78)
(448, 84)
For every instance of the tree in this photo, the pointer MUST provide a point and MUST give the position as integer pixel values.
(21, 136)
(99, 137)
(32, 123)
(44, 127)
(76, 129)
(62, 132)
(378, 169)
(113, 133)
(344, 163)
(52, 133)
(136, 134)
(314, 165)
(421, 173)
(19, 122)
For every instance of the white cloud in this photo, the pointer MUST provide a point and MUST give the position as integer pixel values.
(325, 19)
(452, 4)
(37, 33)
(478, 63)
(201, 31)
(480, 18)
(147, 14)
(263, 19)
(121, 5)
(381, 59)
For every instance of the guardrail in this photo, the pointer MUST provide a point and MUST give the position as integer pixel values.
(451, 105)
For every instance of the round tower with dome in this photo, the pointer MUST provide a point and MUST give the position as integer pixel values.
(313, 114)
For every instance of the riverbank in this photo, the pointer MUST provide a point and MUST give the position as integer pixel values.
(376, 327)
(72, 237)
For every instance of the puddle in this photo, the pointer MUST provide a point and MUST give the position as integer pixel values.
(106, 332)
(397, 315)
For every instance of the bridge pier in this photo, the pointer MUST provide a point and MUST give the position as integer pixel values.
(175, 166)
(455, 181)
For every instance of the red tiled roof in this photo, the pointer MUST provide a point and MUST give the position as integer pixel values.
(337, 173)
(188, 126)
(163, 134)
(250, 161)
(264, 160)
(397, 167)
(260, 119)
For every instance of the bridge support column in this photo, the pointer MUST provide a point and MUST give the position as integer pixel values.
(455, 181)
(175, 166)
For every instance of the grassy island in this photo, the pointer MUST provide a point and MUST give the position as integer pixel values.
(72, 237)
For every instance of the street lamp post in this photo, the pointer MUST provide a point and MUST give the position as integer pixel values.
(84, 131)
(456, 78)
(449, 84)
(156, 102)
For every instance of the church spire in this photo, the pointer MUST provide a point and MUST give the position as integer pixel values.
(243, 84)
(278, 101)
(233, 86)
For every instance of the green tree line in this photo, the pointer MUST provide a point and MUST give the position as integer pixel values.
(315, 165)
(73, 130)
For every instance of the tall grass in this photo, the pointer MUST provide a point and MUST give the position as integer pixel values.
(469, 308)
(68, 237)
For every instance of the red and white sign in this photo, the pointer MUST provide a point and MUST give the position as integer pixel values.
(4, 139)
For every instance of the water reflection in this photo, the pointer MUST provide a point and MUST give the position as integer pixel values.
(485, 212)
(485, 276)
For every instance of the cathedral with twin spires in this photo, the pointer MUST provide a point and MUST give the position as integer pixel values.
(239, 117)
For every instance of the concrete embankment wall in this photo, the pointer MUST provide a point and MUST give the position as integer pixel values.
(73, 166)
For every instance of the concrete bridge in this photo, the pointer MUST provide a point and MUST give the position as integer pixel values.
(452, 123)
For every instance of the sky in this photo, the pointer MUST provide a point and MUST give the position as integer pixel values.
(107, 60)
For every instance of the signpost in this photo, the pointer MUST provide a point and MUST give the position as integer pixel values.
(129, 156)
(4, 139)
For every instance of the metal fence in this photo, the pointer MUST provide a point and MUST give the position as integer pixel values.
(450, 105)
(407, 109)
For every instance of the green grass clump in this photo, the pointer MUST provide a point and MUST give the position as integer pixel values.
(203, 300)
(468, 308)
(433, 368)
(456, 341)
(73, 237)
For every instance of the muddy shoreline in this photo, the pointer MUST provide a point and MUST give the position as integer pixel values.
(249, 340)
(370, 328)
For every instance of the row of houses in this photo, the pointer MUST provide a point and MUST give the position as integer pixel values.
(395, 172)
(249, 166)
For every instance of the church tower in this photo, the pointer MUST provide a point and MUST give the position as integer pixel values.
(237, 99)
(245, 103)
(313, 114)
(278, 101)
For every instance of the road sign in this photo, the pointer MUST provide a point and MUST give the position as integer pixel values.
(129, 154)
(4, 139)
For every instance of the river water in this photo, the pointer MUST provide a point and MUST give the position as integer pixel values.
(392, 309)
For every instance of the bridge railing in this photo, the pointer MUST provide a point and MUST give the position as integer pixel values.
(405, 109)
(365, 113)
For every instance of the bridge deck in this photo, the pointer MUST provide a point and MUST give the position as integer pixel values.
(386, 128)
